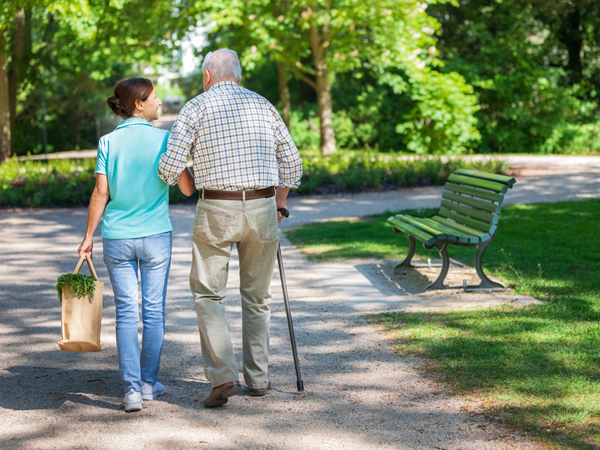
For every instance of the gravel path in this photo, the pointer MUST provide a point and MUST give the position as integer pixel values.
(360, 394)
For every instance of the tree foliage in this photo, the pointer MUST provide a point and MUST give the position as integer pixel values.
(534, 66)
(431, 76)
(72, 52)
(391, 42)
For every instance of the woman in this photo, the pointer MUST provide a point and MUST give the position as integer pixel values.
(136, 232)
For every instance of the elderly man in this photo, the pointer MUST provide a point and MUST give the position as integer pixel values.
(241, 151)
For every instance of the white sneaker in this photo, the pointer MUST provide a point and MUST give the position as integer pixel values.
(132, 401)
(150, 392)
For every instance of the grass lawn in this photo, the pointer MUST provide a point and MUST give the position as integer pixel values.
(536, 368)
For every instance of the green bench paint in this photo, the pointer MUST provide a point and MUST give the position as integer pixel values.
(468, 216)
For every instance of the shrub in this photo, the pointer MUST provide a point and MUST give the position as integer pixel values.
(52, 182)
(353, 171)
(70, 182)
(305, 130)
(442, 119)
(56, 182)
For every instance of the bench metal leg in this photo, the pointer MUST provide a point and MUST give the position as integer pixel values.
(486, 283)
(439, 282)
(412, 247)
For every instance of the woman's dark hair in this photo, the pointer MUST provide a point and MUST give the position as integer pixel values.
(127, 91)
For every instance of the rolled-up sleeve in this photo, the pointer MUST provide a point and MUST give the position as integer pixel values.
(288, 158)
(179, 146)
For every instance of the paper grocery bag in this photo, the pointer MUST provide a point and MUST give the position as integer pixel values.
(81, 316)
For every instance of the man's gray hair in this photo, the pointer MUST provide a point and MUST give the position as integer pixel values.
(223, 63)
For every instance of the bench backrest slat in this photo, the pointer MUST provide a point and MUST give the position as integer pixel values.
(503, 179)
(484, 216)
(474, 199)
(487, 206)
(477, 182)
(464, 220)
(475, 192)
(469, 212)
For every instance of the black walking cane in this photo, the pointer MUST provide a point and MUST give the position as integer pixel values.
(285, 213)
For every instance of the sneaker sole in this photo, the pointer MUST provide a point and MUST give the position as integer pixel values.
(153, 396)
(133, 407)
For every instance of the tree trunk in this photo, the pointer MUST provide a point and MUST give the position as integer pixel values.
(5, 135)
(14, 74)
(571, 35)
(279, 7)
(284, 95)
(323, 89)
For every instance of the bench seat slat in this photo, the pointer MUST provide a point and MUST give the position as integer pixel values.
(468, 216)
(484, 216)
(484, 184)
(421, 235)
(475, 234)
(504, 179)
(452, 234)
(464, 220)
(422, 224)
(487, 206)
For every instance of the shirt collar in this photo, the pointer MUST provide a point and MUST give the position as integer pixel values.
(133, 121)
(223, 84)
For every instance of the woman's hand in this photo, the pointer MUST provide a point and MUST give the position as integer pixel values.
(86, 247)
(186, 182)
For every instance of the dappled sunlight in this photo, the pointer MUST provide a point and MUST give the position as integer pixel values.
(526, 360)
(351, 376)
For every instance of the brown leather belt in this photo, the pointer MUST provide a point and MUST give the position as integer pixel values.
(212, 194)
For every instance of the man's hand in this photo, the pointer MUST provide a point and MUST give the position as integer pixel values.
(280, 200)
(282, 213)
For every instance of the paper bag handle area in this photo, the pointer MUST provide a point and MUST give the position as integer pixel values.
(86, 257)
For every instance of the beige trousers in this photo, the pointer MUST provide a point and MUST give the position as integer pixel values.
(252, 226)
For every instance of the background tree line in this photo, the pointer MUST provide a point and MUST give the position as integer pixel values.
(431, 77)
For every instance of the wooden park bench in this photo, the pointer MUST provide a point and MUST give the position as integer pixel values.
(468, 216)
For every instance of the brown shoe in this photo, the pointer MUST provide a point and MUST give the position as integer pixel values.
(260, 392)
(218, 396)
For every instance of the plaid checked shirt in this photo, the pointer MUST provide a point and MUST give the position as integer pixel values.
(237, 141)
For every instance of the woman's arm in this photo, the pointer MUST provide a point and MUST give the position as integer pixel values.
(95, 212)
(186, 183)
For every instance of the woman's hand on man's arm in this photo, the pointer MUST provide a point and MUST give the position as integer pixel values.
(186, 183)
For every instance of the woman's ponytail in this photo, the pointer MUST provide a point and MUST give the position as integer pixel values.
(114, 104)
(127, 91)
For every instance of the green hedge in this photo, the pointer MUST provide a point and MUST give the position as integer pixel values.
(52, 182)
(56, 182)
(69, 182)
(351, 171)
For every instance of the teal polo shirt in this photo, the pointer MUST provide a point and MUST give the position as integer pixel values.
(139, 199)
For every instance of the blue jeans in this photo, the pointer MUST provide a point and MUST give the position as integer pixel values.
(153, 256)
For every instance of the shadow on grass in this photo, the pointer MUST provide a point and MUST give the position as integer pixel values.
(544, 248)
(540, 365)
(71, 400)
